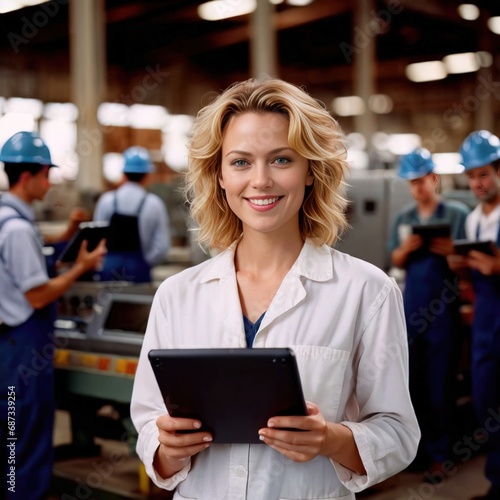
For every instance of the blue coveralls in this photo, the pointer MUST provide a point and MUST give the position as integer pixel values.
(431, 303)
(485, 365)
(27, 405)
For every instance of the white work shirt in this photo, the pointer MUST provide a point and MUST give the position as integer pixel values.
(154, 224)
(488, 224)
(22, 264)
(344, 320)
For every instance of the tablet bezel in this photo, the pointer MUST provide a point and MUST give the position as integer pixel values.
(429, 231)
(463, 247)
(233, 392)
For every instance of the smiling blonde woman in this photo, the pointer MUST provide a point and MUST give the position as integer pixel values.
(266, 172)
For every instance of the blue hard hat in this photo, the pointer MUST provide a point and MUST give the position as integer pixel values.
(137, 161)
(479, 148)
(416, 164)
(26, 147)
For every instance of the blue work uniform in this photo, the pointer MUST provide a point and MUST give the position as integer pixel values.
(485, 363)
(128, 207)
(431, 302)
(26, 370)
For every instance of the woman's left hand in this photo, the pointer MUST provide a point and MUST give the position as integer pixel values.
(302, 445)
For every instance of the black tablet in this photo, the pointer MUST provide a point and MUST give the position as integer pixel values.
(233, 392)
(93, 232)
(429, 231)
(463, 247)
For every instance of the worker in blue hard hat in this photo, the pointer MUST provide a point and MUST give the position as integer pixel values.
(27, 314)
(139, 231)
(480, 153)
(431, 304)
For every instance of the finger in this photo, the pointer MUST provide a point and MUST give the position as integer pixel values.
(184, 451)
(312, 409)
(84, 245)
(171, 424)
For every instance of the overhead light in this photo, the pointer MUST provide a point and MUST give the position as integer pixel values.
(426, 71)
(467, 62)
(11, 5)
(114, 114)
(222, 9)
(380, 104)
(62, 111)
(402, 144)
(148, 116)
(112, 167)
(468, 11)
(32, 107)
(348, 106)
(299, 3)
(494, 24)
(447, 163)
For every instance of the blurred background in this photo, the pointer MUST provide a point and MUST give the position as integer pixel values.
(95, 77)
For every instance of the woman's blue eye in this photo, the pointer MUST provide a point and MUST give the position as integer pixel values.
(240, 163)
(282, 160)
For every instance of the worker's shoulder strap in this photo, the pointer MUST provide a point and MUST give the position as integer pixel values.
(17, 215)
(139, 208)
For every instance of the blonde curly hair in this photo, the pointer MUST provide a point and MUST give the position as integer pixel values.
(313, 133)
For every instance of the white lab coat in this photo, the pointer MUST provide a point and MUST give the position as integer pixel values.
(344, 319)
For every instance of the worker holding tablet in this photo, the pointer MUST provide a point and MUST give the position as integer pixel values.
(27, 314)
(266, 184)
(481, 158)
(431, 300)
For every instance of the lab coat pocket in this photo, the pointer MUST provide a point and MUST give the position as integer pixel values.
(322, 371)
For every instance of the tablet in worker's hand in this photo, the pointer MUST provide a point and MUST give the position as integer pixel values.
(93, 232)
(463, 247)
(429, 231)
(233, 392)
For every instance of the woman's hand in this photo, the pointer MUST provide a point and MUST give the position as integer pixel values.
(315, 437)
(296, 445)
(176, 447)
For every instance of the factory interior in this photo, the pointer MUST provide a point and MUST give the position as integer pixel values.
(95, 77)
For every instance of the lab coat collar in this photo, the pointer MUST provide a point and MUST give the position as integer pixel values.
(314, 263)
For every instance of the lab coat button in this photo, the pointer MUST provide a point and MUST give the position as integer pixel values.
(241, 471)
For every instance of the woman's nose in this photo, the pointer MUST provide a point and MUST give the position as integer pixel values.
(261, 176)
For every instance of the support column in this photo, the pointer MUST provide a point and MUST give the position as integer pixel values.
(263, 46)
(88, 79)
(484, 117)
(364, 65)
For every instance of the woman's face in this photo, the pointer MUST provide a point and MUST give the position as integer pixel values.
(263, 178)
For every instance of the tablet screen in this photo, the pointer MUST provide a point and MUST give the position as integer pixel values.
(233, 392)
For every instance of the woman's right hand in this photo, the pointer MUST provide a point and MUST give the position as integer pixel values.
(177, 447)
